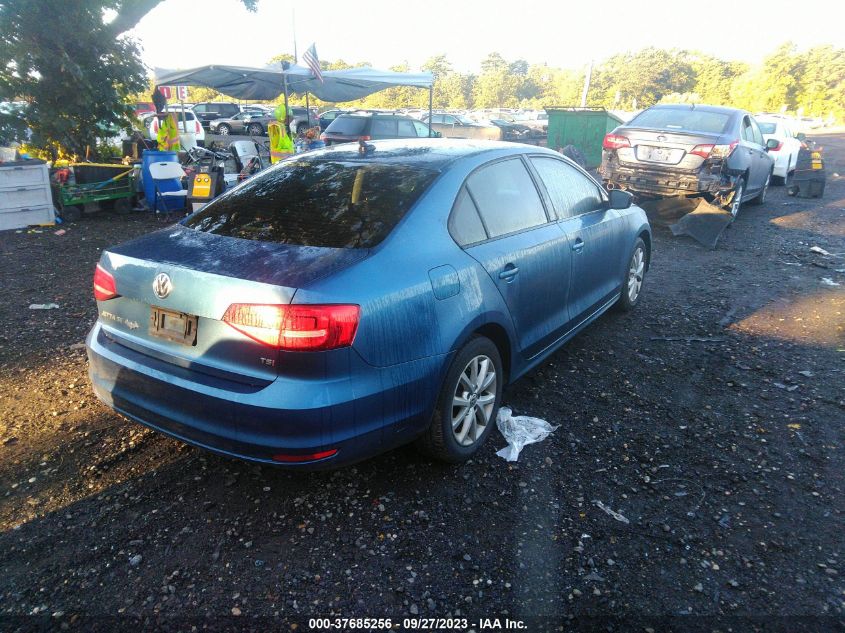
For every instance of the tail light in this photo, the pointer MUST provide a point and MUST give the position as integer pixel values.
(615, 141)
(364, 138)
(323, 137)
(104, 286)
(715, 151)
(296, 328)
(199, 127)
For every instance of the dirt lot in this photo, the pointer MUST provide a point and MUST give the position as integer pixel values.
(711, 419)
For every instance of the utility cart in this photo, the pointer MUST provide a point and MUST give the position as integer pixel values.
(117, 193)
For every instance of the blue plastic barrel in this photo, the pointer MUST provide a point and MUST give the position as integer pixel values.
(149, 157)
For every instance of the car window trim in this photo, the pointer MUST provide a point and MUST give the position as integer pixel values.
(602, 192)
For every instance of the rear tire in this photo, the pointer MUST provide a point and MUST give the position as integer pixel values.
(468, 404)
(760, 198)
(634, 277)
(255, 129)
(224, 130)
(736, 200)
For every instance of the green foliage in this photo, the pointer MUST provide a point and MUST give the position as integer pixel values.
(65, 63)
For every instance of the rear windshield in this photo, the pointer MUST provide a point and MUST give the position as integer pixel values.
(328, 203)
(350, 125)
(684, 120)
(767, 128)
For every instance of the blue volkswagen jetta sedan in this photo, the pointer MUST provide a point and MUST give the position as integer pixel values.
(353, 299)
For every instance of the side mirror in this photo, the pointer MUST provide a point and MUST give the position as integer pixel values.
(619, 199)
(772, 143)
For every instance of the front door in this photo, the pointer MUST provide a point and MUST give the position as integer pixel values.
(526, 256)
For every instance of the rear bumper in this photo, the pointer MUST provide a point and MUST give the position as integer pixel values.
(370, 411)
(665, 181)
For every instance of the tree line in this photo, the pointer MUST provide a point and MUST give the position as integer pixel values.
(808, 83)
(76, 73)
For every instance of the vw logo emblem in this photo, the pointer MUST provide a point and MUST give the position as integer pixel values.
(162, 285)
(661, 138)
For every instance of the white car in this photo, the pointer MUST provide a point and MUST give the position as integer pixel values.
(191, 125)
(786, 153)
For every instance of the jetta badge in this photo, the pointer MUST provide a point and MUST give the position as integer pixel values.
(162, 285)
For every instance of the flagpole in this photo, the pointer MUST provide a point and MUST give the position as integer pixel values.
(295, 56)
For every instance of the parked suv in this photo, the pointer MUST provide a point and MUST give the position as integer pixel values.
(686, 150)
(302, 119)
(365, 126)
(208, 111)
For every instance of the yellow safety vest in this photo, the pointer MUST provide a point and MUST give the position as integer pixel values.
(168, 135)
(281, 146)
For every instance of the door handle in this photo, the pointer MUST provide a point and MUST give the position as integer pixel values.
(578, 246)
(509, 273)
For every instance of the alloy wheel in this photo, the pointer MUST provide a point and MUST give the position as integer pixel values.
(635, 274)
(474, 400)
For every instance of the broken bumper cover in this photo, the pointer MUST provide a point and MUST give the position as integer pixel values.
(664, 181)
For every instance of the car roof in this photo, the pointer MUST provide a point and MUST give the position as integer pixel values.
(431, 153)
(695, 106)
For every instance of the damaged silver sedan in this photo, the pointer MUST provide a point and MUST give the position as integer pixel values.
(689, 150)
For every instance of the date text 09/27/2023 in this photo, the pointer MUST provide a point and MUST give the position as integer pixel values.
(417, 624)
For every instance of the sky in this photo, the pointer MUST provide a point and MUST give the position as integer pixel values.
(562, 33)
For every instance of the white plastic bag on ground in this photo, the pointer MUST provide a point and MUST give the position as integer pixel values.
(520, 431)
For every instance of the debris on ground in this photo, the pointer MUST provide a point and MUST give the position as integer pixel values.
(704, 224)
(827, 281)
(520, 431)
(613, 513)
(819, 250)
(43, 306)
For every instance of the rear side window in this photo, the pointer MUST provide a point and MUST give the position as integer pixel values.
(383, 128)
(685, 119)
(348, 125)
(506, 197)
(421, 128)
(406, 129)
(464, 224)
(571, 192)
(307, 202)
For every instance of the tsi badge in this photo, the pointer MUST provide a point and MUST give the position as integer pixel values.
(162, 285)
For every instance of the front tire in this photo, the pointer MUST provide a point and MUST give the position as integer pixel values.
(632, 283)
(255, 129)
(468, 403)
(224, 130)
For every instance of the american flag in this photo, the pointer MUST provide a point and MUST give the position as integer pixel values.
(310, 57)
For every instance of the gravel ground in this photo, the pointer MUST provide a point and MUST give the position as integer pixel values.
(710, 421)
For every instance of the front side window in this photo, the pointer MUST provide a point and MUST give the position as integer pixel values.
(506, 197)
(317, 202)
(571, 192)
(421, 128)
(406, 129)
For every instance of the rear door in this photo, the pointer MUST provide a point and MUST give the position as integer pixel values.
(383, 127)
(526, 256)
(751, 143)
(594, 235)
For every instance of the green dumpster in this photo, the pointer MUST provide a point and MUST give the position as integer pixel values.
(583, 128)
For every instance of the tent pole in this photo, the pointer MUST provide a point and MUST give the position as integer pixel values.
(307, 110)
(430, 103)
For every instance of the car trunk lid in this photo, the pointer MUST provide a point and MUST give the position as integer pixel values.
(663, 148)
(179, 319)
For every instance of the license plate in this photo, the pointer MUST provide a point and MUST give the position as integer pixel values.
(173, 326)
(656, 154)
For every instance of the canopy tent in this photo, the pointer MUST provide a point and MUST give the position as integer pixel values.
(242, 82)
